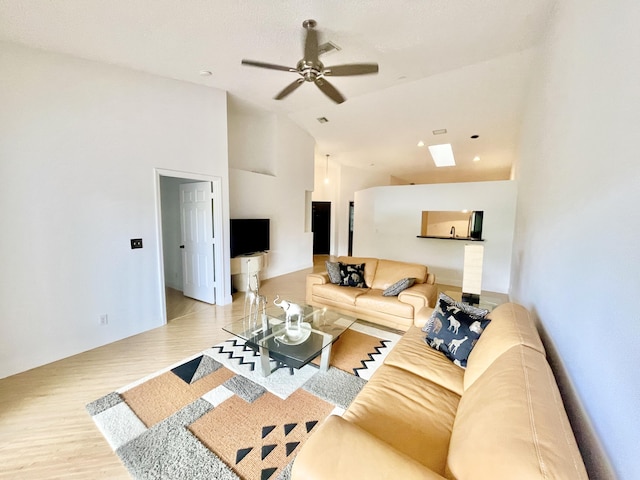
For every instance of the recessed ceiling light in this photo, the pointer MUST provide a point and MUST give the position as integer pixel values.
(421, 143)
(476, 158)
(322, 119)
(205, 73)
(442, 155)
(440, 131)
(475, 136)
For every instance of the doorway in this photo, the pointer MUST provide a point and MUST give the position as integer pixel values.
(351, 212)
(321, 227)
(170, 233)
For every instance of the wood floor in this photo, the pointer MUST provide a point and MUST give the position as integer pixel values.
(45, 431)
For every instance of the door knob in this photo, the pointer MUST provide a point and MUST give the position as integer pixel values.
(181, 246)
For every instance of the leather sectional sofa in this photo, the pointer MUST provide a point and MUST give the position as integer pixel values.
(369, 303)
(422, 417)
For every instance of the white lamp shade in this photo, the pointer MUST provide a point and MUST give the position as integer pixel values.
(472, 271)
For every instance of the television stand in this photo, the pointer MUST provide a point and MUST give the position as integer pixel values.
(244, 265)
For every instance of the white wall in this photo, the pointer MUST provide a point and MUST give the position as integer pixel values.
(252, 137)
(388, 219)
(576, 257)
(80, 141)
(344, 181)
(280, 196)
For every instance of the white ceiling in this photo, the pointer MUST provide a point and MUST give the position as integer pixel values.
(462, 65)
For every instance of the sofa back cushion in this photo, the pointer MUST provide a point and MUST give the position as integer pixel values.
(511, 423)
(412, 354)
(370, 266)
(510, 325)
(389, 272)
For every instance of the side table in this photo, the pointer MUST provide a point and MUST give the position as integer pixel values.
(487, 301)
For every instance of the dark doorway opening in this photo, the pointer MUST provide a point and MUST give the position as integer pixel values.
(321, 227)
(351, 208)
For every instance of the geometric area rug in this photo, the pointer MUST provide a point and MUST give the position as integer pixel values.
(214, 416)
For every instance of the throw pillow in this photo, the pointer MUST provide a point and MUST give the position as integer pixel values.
(352, 275)
(454, 328)
(395, 289)
(333, 269)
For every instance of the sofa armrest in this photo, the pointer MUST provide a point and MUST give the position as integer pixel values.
(340, 450)
(315, 279)
(420, 295)
(431, 279)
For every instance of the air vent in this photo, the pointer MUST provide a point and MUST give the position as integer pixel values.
(328, 47)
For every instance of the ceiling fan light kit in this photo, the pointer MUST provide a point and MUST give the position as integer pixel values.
(311, 69)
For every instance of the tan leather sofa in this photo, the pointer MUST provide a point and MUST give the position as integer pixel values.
(421, 416)
(369, 303)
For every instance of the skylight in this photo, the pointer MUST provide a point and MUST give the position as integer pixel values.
(442, 155)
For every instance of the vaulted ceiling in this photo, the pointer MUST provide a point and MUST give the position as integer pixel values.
(459, 65)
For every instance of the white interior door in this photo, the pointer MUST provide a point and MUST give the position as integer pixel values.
(196, 220)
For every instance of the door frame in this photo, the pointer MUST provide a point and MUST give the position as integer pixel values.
(223, 293)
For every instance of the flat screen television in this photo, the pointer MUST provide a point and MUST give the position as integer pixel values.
(249, 235)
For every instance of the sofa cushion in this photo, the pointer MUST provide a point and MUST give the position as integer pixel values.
(389, 272)
(352, 275)
(510, 325)
(370, 266)
(454, 329)
(373, 300)
(333, 270)
(413, 415)
(398, 287)
(413, 355)
(511, 424)
(336, 293)
(339, 450)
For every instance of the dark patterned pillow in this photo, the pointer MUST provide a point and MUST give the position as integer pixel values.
(333, 269)
(395, 289)
(352, 275)
(454, 328)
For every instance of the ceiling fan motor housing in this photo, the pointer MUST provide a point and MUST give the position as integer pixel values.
(309, 70)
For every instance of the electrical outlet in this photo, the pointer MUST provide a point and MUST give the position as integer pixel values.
(136, 243)
(104, 319)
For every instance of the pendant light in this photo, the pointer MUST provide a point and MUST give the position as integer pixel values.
(326, 170)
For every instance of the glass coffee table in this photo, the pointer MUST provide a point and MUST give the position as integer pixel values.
(268, 336)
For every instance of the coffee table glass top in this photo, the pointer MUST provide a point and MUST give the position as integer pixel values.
(268, 334)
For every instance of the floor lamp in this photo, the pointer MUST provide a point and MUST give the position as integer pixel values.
(472, 273)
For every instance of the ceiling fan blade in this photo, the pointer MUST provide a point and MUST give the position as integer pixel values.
(289, 89)
(329, 90)
(310, 42)
(351, 69)
(271, 66)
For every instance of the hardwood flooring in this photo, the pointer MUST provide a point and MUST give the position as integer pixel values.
(45, 431)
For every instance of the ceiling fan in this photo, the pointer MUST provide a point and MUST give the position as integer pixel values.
(311, 69)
